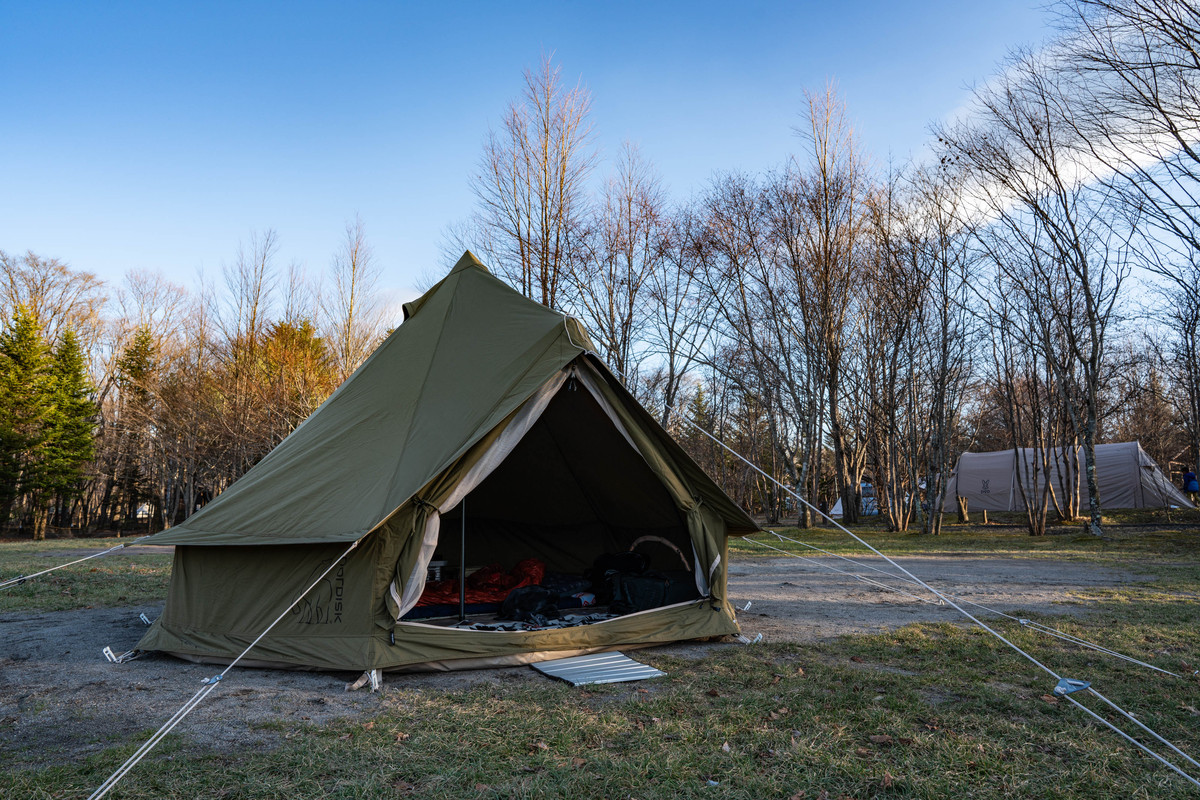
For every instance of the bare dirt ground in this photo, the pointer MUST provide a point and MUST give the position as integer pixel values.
(795, 601)
(60, 699)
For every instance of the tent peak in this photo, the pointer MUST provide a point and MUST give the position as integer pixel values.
(468, 259)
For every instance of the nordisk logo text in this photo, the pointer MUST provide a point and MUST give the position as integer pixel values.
(324, 603)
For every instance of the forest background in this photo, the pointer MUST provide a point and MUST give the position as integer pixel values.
(832, 318)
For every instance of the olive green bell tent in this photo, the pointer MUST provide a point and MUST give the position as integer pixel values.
(483, 400)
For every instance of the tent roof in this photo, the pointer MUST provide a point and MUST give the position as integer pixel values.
(470, 352)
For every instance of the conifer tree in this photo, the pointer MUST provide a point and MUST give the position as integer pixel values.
(135, 368)
(70, 440)
(25, 406)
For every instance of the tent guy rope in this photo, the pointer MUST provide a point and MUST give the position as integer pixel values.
(819, 565)
(210, 684)
(22, 578)
(1028, 623)
(1065, 686)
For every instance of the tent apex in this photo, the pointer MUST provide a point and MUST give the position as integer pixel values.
(465, 262)
(468, 259)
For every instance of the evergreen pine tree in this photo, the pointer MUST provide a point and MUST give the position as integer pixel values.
(25, 383)
(70, 441)
(135, 367)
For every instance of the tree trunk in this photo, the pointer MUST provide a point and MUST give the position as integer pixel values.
(841, 460)
(1095, 516)
(41, 521)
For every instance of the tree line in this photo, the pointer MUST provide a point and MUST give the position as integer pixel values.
(1033, 283)
(127, 408)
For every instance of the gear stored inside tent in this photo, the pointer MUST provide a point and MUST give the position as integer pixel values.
(482, 400)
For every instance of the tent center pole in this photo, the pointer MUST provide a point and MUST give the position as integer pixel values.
(462, 567)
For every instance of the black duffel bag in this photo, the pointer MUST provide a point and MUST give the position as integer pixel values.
(529, 604)
(633, 593)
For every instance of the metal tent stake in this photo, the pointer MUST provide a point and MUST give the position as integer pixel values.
(462, 568)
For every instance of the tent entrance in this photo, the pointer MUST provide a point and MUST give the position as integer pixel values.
(572, 489)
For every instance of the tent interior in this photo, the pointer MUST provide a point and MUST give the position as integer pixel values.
(573, 489)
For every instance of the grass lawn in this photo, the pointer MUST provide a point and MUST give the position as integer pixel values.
(1134, 534)
(121, 578)
(929, 710)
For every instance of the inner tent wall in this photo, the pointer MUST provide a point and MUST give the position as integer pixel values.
(572, 489)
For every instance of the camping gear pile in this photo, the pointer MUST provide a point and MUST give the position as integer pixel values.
(622, 583)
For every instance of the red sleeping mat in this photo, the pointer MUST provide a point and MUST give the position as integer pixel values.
(487, 585)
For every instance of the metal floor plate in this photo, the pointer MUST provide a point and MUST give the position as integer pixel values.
(597, 668)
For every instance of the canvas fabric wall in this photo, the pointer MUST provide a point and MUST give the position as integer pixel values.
(1126, 477)
(443, 398)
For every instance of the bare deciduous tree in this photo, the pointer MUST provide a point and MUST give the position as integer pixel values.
(1135, 66)
(937, 243)
(736, 272)
(58, 297)
(1049, 231)
(1182, 355)
(678, 314)
(353, 311)
(896, 291)
(624, 249)
(531, 184)
(250, 286)
(828, 273)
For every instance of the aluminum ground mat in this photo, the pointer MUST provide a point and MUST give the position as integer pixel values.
(597, 668)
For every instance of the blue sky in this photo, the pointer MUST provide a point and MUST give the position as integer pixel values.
(159, 135)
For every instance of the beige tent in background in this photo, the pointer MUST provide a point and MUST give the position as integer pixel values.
(1125, 476)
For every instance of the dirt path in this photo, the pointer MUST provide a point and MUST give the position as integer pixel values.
(796, 601)
(60, 699)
